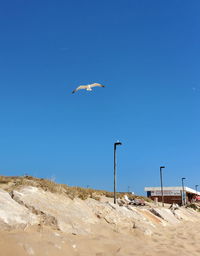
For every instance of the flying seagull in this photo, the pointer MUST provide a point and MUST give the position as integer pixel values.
(87, 87)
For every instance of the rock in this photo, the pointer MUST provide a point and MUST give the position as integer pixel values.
(187, 214)
(165, 214)
(58, 211)
(14, 215)
(121, 218)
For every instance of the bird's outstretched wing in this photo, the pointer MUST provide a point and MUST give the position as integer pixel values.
(79, 88)
(96, 84)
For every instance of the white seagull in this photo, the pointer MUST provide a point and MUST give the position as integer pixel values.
(87, 87)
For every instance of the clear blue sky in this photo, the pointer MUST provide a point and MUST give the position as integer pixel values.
(147, 55)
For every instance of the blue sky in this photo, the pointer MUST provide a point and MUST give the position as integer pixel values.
(147, 55)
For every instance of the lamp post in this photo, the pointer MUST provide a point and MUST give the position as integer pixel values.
(115, 146)
(183, 192)
(161, 184)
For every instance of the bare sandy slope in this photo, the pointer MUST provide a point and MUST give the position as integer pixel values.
(181, 239)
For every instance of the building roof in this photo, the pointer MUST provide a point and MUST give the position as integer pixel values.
(189, 190)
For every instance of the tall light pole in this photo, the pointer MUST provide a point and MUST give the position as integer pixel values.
(161, 184)
(115, 146)
(183, 192)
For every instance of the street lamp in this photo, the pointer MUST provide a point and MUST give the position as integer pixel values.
(183, 193)
(161, 183)
(115, 146)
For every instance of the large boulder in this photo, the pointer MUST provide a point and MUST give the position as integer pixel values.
(14, 215)
(56, 210)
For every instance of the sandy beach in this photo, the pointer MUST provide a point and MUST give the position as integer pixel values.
(182, 239)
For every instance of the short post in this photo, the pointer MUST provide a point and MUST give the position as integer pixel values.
(196, 186)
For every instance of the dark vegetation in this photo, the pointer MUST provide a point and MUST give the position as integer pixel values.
(194, 206)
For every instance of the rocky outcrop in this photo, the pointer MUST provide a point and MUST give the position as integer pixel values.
(14, 215)
(62, 213)
(30, 206)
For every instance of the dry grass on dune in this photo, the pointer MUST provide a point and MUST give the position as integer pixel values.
(10, 183)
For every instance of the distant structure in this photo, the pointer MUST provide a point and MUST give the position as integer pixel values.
(173, 194)
(88, 87)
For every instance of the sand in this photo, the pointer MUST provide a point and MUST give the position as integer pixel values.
(181, 239)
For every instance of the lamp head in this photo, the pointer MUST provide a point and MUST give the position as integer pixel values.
(161, 167)
(118, 143)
